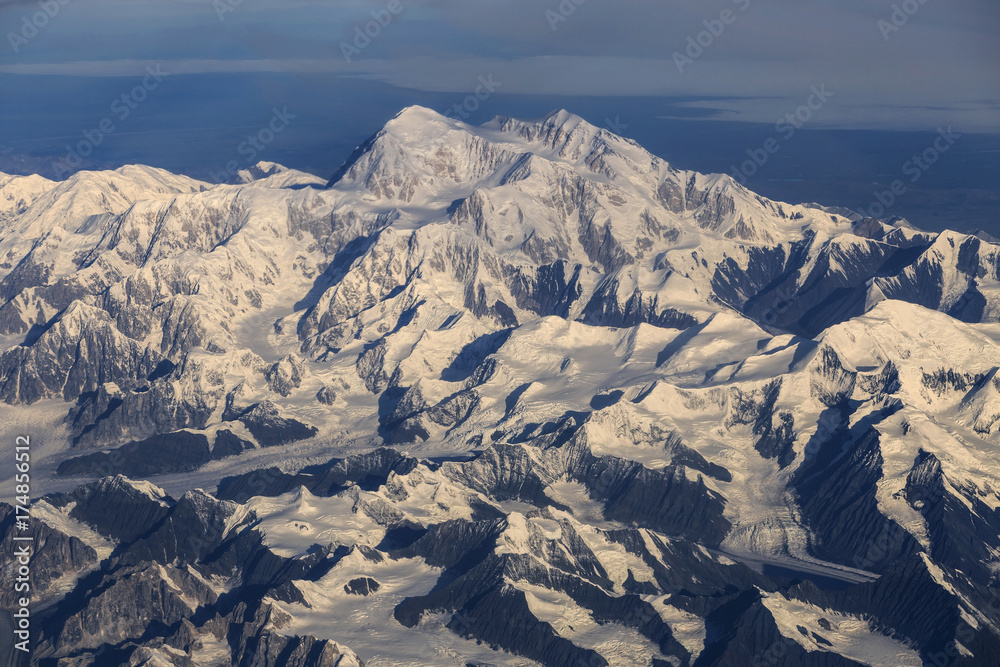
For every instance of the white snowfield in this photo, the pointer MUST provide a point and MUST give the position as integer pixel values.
(458, 288)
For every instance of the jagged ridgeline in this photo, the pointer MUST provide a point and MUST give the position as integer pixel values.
(517, 394)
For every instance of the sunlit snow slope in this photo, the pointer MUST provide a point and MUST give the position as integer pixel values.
(514, 394)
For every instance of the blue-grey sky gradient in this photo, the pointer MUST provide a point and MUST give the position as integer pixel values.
(940, 66)
(899, 69)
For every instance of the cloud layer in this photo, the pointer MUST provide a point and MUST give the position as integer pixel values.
(907, 64)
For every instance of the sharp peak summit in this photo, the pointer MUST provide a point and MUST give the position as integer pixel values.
(418, 113)
(418, 130)
(421, 122)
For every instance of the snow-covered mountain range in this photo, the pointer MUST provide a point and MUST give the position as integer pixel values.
(514, 394)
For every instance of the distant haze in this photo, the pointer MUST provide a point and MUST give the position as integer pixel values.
(702, 84)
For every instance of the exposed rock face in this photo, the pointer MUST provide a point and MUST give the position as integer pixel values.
(285, 376)
(326, 396)
(252, 637)
(176, 452)
(117, 507)
(270, 429)
(76, 355)
(119, 607)
(55, 556)
(362, 586)
(161, 576)
(365, 470)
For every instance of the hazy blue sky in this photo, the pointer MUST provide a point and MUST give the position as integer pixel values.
(940, 66)
(635, 65)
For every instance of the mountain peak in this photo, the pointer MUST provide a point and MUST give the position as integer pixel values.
(561, 117)
(412, 130)
(417, 120)
(273, 175)
(424, 160)
(417, 114)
